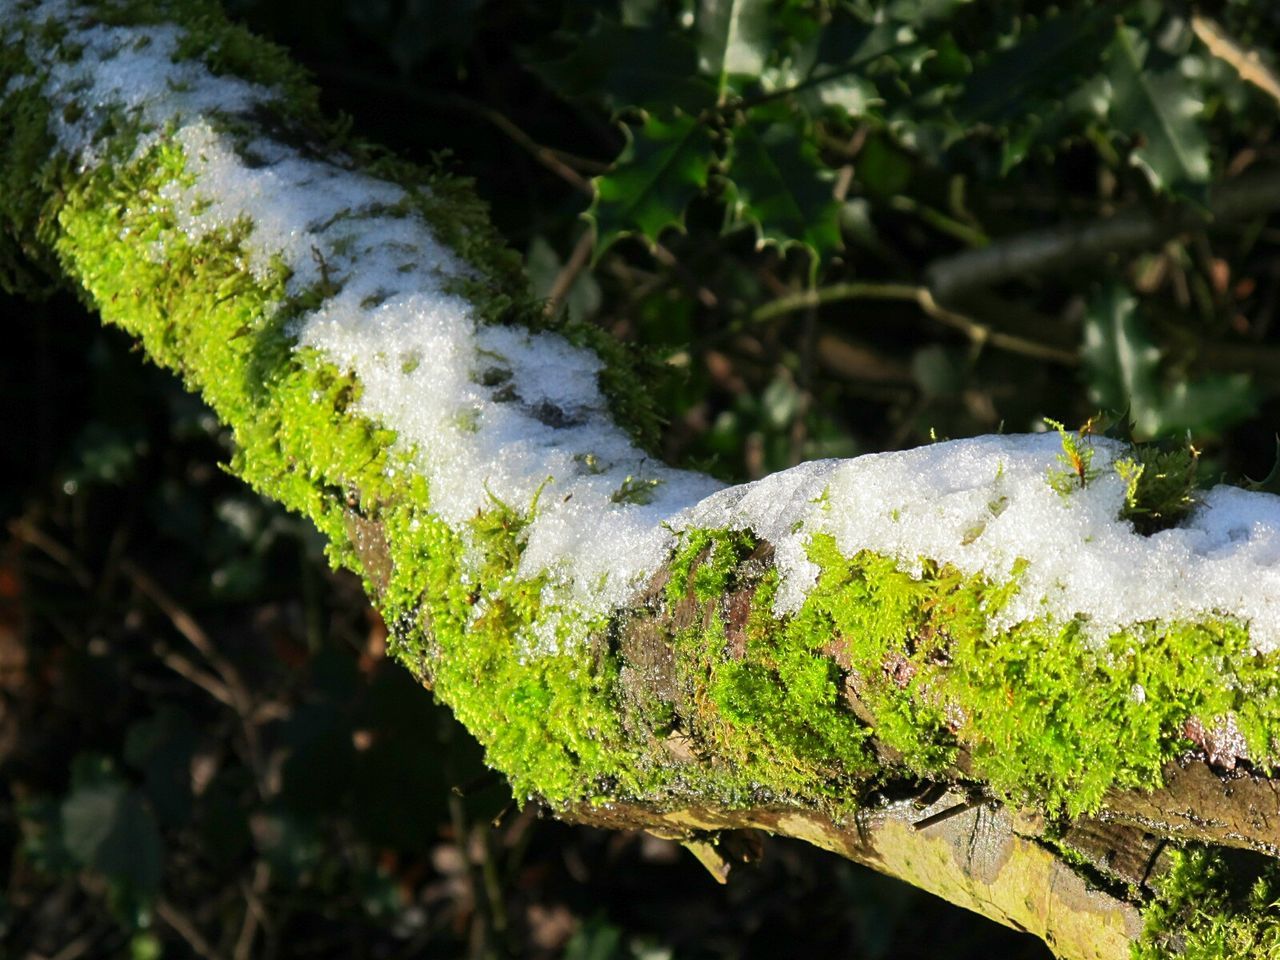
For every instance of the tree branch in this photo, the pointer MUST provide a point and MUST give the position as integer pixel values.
(632, 644)
(1056, 248)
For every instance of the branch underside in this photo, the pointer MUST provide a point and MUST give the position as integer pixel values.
(1024, 768)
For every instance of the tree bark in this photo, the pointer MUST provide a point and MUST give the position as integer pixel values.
(871, 721)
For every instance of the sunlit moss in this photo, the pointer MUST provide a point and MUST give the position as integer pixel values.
(1206, 910)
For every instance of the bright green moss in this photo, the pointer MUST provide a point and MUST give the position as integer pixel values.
(545, 717)
(782, 699)
(1207, 909)
(546, 720)
(704, 562)
(1052, 716)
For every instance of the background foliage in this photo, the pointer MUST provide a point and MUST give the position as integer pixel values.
(202, 751)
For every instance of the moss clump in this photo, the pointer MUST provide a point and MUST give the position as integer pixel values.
(1209, 909)
(1051, 716)
(545, 716)
(761, 698)
(1159, 485)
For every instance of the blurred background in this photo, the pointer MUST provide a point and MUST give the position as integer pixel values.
(820, 222)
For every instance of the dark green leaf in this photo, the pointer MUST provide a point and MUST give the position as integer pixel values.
(160, 747)
(1161, 111)
(1207, 405)
(1046, 62)
(1122, 369)
(628, 66)
(663, 167)
(1121, 363)
(882, 168)
(733, 41)
(781, 188)
(108, 828)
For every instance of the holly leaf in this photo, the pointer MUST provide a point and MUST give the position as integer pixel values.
(663, 167)
(1122, 370)
(1208, 405)
(781, 188)
(1161, 111)
(733, 42)
(1120, 361)
(107, 827)
(629, 66)
(1043, 63)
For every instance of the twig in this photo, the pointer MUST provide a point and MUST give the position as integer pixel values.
(1041, 251)
(254, 915)
(238, 696)
(979, 333)
(30, 534)
(189, 671)
(75, 949)
(186, 929)
(669, 260)
(1248, 63)
(544, 155)
(185, 624)
(565, 279)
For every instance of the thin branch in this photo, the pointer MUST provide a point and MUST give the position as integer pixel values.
(184, 928)
(1248, 63)
(1041, 251)
(978, 332)
(202, 679)
(32, 535)
(565, 279)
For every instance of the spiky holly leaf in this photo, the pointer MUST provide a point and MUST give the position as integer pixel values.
(733, 42)
(629, 66)
(1161, 110)
(663, 167)
(781, 188)
(1046, 61)
(1122, 369)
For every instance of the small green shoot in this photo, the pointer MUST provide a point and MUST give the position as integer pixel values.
(636, 490)
(1160, 485)
(1076, 459)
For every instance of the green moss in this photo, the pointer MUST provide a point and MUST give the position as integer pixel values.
(704, 562)
(1209, 909)
(1052, 716)
(27, 170)
(762, 698)
(1160, 485)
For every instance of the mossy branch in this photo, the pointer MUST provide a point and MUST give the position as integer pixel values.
(1017, 770)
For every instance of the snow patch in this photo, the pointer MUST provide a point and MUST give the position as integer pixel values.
(493, 414)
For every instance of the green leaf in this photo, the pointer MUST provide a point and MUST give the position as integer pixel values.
(663, 167)
(1161, 111)
(882, 168)
(733, 41)
(627, 66)
(781, 188)
(108, 828)
(1045, 62)
(1122, 369)
(1121, 363)
(1208, 405)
